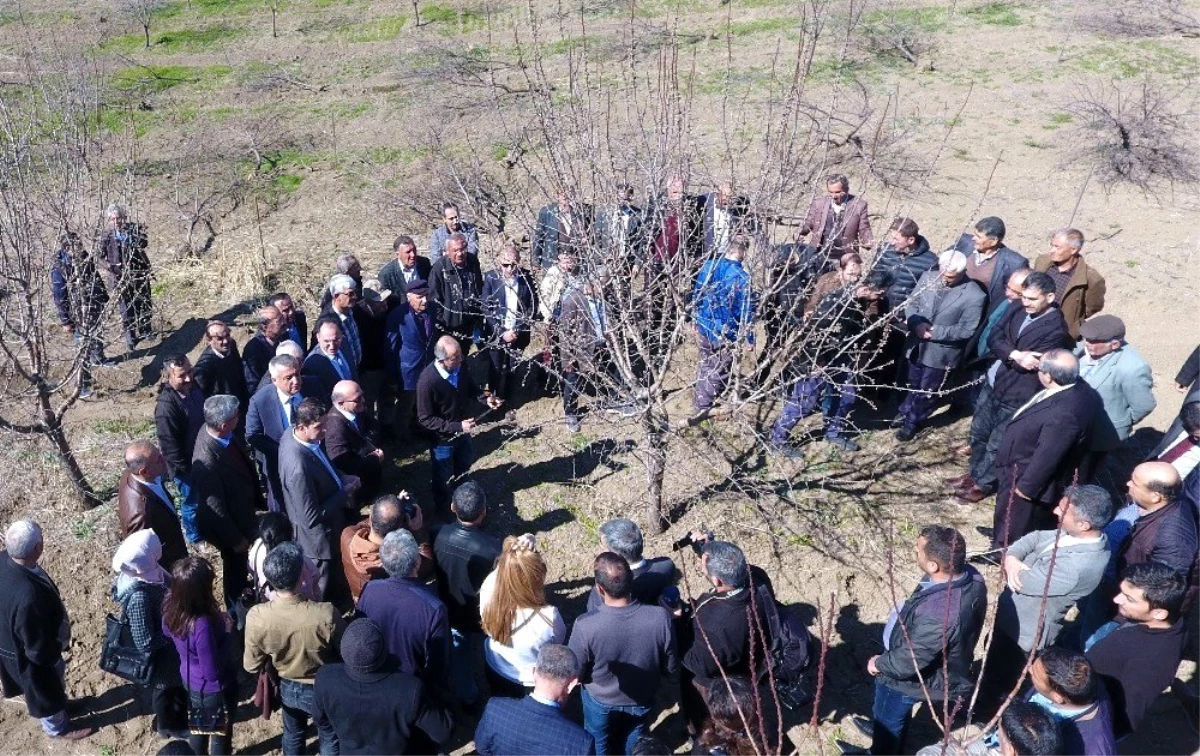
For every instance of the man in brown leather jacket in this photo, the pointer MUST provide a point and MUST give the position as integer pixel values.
(144, 504)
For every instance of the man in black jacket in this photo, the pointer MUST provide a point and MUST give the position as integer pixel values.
(407, 267)
(372, 707)
(1017, 344)
(465, 553)
(445, 395)
(34, 631)
(456, 286)
(178, 417)
(261, 347)
(931, 637)
(509, 308)
(350, 439)
(1042, 448)
(220, 369)
(227, 491)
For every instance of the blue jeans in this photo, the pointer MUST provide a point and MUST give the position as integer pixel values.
(892, 711)
(462, 668)
(622, 725)
(450, 461)
(296, 699)
(805, 395)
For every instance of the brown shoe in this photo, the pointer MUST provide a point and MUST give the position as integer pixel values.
(80, 734)
(972, 495)
(959, 481)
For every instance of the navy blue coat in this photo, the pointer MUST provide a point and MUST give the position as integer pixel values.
(410, 340)
(524, 727)
(321, 374)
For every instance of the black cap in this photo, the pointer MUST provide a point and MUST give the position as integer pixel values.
(364, 651)
(1101, 328)
(419, 287)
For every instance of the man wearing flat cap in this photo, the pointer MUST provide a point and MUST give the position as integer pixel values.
(373, 707)
(1119, 375)
(410, 339)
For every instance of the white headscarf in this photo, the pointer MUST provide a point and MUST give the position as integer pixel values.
(137, 557)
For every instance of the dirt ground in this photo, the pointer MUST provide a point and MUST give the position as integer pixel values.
(988, 114)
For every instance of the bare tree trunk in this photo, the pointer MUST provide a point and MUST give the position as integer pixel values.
(274, 16)
(146, 29)
(654, 457)
(416, 13)
(53, 429)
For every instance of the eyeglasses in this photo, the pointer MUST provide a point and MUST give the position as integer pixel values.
(508, 265)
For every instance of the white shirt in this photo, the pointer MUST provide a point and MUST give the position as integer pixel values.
(512, 304)
(1186, 461)
(534, 629)
(286, 401)
(721, 225)
(1042, 396)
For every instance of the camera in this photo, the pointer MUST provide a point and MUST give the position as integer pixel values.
(691, 539)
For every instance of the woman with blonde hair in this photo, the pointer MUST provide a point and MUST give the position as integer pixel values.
(516, 617)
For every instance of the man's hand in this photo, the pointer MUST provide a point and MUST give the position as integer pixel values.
(351, 483)
(509, 336)
(469, 424)
(1027, 360)
(871, 665)
(68, 328)
(1013, 568)
(922, 331)
(494, 402)
(1178, 386)
(377, 453)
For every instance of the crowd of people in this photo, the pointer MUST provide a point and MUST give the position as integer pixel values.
(366, 613)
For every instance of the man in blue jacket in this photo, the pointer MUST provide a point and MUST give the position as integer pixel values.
(725, 304)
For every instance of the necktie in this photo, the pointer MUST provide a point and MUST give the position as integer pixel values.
(288, 408)
(325, 461)
(351, 330)
(452, 378)
(339, 364)
(1183, 446)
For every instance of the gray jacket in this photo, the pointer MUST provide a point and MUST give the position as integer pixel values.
(1123, 381)
(954, 313)
(1078, 568)
(313, 499)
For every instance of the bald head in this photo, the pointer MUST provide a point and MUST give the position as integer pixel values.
(144, 460)
(271, 322)
(1154, 485)
(347, 393)
(1060, 367)
(446, 349)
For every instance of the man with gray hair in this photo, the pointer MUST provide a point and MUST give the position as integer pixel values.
(34, 631)
(1043, 447)
(344, 293)
(351, 437)
(456, 287)
(227, 490)
(271, 410)
(943, 315)
(123, 250)
(413, 620)
(1079, 288)
(650, 576)
(536, 724)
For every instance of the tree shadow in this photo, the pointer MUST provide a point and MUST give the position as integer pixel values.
(113, 706)
(181, 341)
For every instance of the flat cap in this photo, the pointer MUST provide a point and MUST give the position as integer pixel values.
(1102, 328)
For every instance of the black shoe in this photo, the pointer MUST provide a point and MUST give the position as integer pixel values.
(865, 725)
(896, 422)
(844, 444)
(849, 749)
(906, 434)
(987, 558)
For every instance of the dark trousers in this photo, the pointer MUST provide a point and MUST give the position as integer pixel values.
(169, 704)
(222, 744)
(573, 384)
(235, 576)
(1002, 669)
(406, 404)
(379, 394)
(504, 360)
(449, 461)
(891, 712)
(803, 400)
(987, 428)
(920, 402)
(134, 304)
(1015, 515)
(296, 703)
(503, 687)
(716, 361)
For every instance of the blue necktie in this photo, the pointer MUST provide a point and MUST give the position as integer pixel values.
(339, 364)
(291, 404)
(325, 461)
(453, 378)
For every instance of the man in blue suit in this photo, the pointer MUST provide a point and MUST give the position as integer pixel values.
(270, 414)
(328, 363)
(535, 724)
(410, 342)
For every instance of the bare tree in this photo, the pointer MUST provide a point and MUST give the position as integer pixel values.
(142, 11)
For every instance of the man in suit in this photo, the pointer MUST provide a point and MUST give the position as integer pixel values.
(620, 231)
(837, 223)
(535, 724)
(295, 322)
(34, 632)
(725, 217)
(1166, 529)
(261, 347)
(1079, 288)
(272, 410)
(456, 285)
(565, 225)
(1017, 343)
(583, 346)
(1189, 373)
(1045, 573)
(446, 395)
(1119, 375)
(373, 707)
(314, 493)
(220, 369)
(228, 492)
(328, 362)
(509, 308)
(452, 223)
(1043, 447)
(410, 339)
(407, 266)
(942, 316)
(144, 504)
(344, 292)
(989, 261)
(350, 437)
(123, 251)
(178, 415)
(1180, 445)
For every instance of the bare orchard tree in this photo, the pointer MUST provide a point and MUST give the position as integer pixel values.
(142, 11)
(49, 221)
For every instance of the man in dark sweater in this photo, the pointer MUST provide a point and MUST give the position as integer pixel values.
(721, 632)
(465, 554)
(220, 370)
(445, 395)
(1136, 655)
(1065, 685)
(625, 648)
(650, 576)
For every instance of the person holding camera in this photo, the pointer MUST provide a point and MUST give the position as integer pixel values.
(360, 542)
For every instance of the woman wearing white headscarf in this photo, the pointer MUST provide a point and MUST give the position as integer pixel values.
(140, 588)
